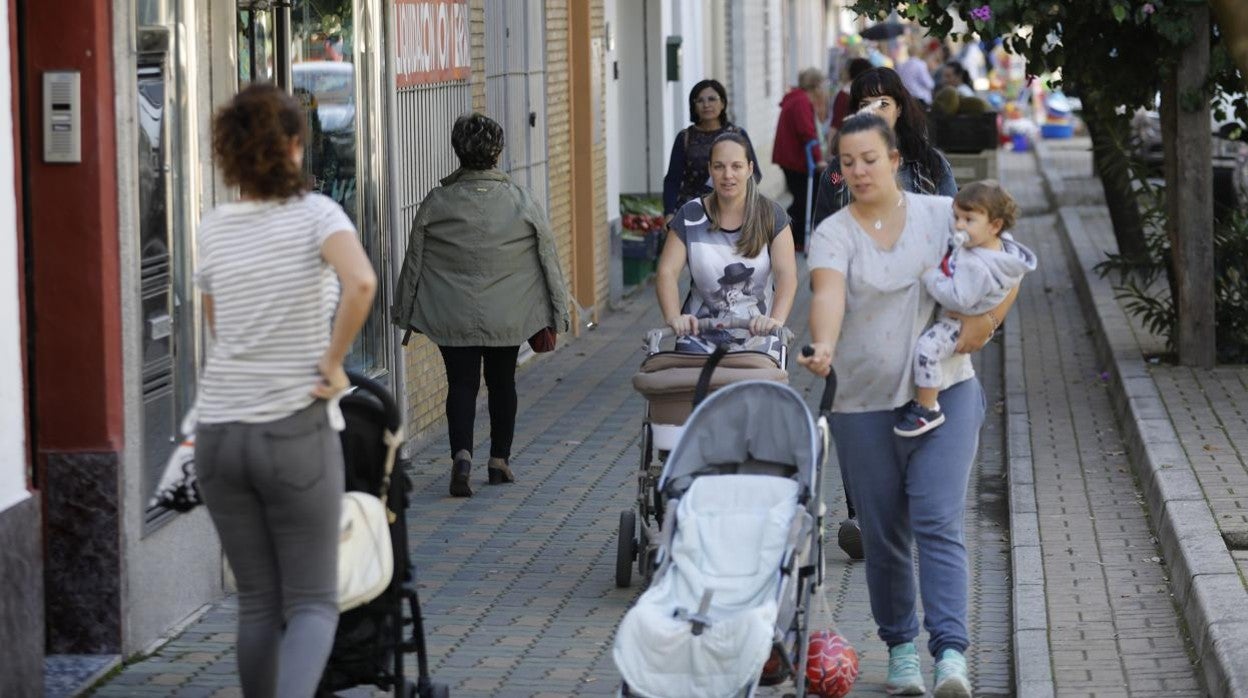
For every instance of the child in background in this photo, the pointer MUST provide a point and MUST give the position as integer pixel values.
(983, 264)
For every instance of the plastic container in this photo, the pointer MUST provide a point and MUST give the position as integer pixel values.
(1057, 131)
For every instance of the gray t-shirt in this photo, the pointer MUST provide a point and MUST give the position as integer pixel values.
(273, 298)
(886, 305)
(724, 284)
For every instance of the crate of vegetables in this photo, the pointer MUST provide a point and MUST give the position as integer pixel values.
(642, 223)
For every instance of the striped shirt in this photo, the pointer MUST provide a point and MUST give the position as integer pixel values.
(273, 297)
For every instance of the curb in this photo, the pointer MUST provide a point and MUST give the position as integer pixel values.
(1033, 668)
(1204, 578)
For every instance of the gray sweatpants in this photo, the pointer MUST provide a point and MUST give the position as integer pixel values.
(274, 491)
(936, 344)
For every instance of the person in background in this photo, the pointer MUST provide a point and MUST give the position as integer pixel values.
(686, 177)
(272, 267)
(914, 74)
(480, 277)
(796, 127)
(955, 76)
(841, 107)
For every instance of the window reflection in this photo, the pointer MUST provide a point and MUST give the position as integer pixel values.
(323, 79)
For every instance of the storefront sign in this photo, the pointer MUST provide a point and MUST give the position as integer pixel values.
(432, 39)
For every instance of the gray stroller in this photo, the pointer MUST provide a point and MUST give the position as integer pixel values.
(741, 551)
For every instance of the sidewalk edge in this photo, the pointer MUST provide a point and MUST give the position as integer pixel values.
(1033, 667)
(1204, 578)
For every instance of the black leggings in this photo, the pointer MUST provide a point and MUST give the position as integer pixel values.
(797, 183)
(463, 378)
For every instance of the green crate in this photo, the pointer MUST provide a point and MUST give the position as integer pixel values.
(637, 271)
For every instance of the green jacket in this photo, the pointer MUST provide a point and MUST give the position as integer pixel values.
(481, 267)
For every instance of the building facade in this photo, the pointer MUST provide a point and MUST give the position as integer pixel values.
(105, 206)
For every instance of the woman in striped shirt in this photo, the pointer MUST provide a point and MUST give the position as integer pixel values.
(286, 286)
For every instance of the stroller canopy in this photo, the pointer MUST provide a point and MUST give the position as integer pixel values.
(761, 426)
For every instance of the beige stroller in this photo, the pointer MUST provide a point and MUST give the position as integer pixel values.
(669, 380)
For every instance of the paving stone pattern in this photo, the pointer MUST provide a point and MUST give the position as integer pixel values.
(1113, 627)
(517, 582)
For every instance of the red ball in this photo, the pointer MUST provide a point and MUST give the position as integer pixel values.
(831, 665)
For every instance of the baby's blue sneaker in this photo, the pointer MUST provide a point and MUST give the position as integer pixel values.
(951, 679)
(905, 677)
(916, 420)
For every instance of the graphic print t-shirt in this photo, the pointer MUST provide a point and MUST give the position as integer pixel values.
(725, 285)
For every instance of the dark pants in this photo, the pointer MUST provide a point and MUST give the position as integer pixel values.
(463, 378)
(274, 491)
(797, 181)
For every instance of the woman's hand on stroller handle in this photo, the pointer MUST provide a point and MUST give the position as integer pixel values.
(701, 325)
(682, 325)
(818, 358)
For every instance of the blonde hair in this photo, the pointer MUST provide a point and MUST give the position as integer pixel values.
(988, 197)
(809, 79)
(758, 221)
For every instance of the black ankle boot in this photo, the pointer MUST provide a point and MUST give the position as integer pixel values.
(499, 471)
(461, 472)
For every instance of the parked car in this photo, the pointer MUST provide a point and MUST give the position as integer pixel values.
(1230, 151)
(332, 85)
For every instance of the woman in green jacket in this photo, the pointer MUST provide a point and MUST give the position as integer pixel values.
(481, 275)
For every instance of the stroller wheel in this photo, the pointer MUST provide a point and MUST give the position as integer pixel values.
(626, 549)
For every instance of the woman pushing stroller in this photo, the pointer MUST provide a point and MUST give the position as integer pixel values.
(739, 249)
(868, 311)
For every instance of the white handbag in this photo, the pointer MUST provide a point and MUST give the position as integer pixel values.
(365, 557)
(365, 552)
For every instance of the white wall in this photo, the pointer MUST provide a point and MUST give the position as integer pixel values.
(640, 107)
(12, 397)
(611, 115)
(759, 82)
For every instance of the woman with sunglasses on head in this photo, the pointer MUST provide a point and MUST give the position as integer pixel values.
(923, 169)
(686, 177)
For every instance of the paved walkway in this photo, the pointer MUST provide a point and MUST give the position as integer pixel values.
(1112, 626)
(517, 582)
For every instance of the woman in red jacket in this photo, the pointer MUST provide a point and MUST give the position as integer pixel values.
(796, 127)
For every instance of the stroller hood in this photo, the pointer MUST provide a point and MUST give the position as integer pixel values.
(756, 424)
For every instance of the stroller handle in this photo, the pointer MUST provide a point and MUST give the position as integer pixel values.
(394, 418)
(658, 334)
(829, 386)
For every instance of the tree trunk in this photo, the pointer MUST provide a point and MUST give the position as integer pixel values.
(1189, 198)
(1109, 135)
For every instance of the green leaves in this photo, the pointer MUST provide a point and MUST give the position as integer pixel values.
(1120, 13)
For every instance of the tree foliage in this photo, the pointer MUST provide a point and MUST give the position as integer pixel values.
(1114, 52)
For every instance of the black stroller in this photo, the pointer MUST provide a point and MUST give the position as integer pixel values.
(370, 642)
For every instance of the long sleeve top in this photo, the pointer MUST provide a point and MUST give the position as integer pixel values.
(977, 279)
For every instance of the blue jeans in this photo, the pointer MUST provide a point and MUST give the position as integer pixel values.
(908, 491)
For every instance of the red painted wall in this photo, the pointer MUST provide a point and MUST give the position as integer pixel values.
(74, 237)
(16, 97)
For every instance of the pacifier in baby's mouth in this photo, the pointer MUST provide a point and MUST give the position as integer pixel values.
(960, 238)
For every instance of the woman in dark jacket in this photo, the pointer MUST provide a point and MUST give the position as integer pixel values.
(687, 175)
(923, 169)
(481, 275)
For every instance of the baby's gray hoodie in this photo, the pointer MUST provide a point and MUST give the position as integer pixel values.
(980, 277)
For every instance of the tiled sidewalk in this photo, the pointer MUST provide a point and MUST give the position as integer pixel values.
(517, 582)
(1112, 626)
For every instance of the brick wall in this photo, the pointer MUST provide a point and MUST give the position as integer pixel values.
(559, 128)
(602, 246)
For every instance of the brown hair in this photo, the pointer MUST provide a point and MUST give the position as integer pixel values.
(988, 197)
(758, 222)
(251, 138)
